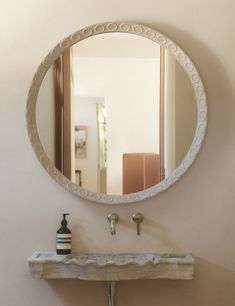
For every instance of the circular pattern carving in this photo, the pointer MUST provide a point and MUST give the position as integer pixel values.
(46, 63)
(202, 103)
(161, 39)
(179, 55)
(55, 52)
(202, 116)
(75, 37)
(151, 34)
(198, 140)
(52, 170)
(195, 78)
(61, 179)
(65, 43)
(112, 27)
(189, 67)
(199, 90)
(87, 32)
(99, 28)
(125, 27)
(71, 186)
(84, 193)
(171, 47)
(138, 29)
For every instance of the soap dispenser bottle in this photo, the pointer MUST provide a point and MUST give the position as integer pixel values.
(63, 238)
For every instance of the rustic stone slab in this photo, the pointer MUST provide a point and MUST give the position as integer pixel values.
(111, 267)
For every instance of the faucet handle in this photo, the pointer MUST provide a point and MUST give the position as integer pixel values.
(138, 218)
(113, 219)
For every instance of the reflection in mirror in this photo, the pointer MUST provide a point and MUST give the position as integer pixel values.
(116, 113)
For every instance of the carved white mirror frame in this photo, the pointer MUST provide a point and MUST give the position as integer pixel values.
(123, 27)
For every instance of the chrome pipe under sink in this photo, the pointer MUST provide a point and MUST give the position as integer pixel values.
(111, 292)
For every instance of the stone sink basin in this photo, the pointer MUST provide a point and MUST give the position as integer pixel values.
(111, 267)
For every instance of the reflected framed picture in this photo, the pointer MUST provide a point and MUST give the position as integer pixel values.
(80, 141)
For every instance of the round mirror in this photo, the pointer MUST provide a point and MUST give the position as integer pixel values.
(116, 112)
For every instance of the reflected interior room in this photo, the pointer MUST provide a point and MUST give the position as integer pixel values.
(87, 99)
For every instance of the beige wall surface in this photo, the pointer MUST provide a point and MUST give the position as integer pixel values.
(196, 214)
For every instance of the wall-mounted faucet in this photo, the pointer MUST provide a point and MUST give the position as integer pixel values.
(113, 219)
(138, 218)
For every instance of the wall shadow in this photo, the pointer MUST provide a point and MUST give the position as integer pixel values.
(80, 293)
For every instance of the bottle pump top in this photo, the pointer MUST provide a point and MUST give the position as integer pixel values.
(64, 221)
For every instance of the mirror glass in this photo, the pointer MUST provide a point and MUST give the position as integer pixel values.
(116, 113)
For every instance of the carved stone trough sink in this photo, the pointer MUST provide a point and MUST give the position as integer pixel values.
(111, 267)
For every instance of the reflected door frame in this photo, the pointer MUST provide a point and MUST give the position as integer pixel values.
(63, 135)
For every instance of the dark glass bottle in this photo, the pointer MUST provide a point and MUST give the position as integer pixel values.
(63, 238)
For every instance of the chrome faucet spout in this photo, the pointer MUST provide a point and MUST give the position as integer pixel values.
(112, 227)
(113, 219)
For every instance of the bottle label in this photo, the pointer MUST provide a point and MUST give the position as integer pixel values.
(63, 241)
(64, 235)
